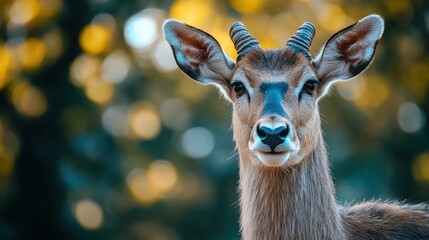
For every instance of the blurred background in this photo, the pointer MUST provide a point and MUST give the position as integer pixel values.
(102, 137)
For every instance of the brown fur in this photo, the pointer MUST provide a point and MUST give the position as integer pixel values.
(386, 220)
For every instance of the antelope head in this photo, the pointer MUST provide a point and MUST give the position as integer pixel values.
(275, 93)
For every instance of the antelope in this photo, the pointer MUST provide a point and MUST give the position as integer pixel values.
(286, 190)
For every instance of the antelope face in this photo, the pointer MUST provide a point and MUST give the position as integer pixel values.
(275, 114)
(274, 92)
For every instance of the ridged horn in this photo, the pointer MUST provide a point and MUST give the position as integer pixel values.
(243, 41)
(301, 41)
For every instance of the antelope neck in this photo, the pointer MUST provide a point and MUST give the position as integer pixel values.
(289, 203)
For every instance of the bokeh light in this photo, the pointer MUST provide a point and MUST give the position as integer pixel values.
(197, 142)
(115, 120)
(244, 6)
(371, 93)
(31, 53)
(7, 63)
(99, 90)
(144, 121)
(163, 175)
(410, 117)
(115, 67)
(89, 214)
(201, 11)
(95, 38)
(141, 30)
(28, 99)
(174, 113)
(163, 57)
(22, 12)
(141, 188)
(332, 17)
(351, 90)
(50, 8)
(83, 68)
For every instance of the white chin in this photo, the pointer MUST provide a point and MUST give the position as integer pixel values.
(273, 159)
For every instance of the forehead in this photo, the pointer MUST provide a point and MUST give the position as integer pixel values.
(273, 65)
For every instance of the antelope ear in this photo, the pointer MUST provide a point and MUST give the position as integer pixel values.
(198, 54)
(348, 52)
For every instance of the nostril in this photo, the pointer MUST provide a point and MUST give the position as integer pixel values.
(283, 133)
(261, 133)
(272, 137)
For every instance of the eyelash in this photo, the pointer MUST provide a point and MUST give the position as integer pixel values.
(239, 88)
(309, 87)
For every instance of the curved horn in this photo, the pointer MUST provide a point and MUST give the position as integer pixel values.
(242, 39)
(301, 41)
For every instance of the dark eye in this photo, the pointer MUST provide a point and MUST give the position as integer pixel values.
(239, 88)
(310, 86)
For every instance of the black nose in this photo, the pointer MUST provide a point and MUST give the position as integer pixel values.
(272, 137)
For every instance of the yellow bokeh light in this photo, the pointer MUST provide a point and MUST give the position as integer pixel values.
(163, 175)
(141, 187)
(375, 93)
(245, 6)
(258, 25)
(201, 11)
(198, 90)
(332, 17)
(351, 90)
(89, 214)
(31, 53)
(144, 122)
(84, 68)
(6, 63)
(22, 12)
(421, 167)
(218, 31)
(95, 39)
(99, 91)
(282, 26)
(49, 8)
(28, 99)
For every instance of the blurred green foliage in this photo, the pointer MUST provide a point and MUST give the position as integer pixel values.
(102, 137)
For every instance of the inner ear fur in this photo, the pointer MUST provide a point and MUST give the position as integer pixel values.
(198, 54)
(350, 51)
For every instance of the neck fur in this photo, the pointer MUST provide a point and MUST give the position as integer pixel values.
(289, 203)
